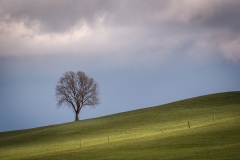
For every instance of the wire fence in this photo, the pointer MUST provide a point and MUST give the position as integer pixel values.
(147, 131)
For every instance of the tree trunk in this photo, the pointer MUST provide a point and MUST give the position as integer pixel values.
(76, 117)
(77, 111)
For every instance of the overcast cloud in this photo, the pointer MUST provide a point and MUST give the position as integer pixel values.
(122, 29)
(158, 50)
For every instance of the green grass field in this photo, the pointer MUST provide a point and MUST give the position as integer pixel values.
(160, 132)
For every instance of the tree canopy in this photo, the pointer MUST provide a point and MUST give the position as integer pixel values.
(77, 90)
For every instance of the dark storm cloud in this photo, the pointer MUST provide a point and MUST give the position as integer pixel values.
(220, 14)
(61, 15)
(156, 28)
(54, 16)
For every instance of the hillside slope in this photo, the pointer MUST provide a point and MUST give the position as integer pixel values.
(206, 127)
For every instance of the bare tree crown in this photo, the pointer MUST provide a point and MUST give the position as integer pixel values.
(77, 90)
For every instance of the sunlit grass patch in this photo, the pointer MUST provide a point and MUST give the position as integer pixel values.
(205, 127)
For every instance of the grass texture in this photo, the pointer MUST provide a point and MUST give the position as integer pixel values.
(206, 127)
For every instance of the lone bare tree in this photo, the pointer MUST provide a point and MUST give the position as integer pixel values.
(77, 90)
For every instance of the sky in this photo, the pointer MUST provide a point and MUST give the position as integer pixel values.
(142, 53)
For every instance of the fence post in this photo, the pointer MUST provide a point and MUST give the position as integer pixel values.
(189, 124)
(213, 117)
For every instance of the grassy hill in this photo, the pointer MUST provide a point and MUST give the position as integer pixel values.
(206, 127)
